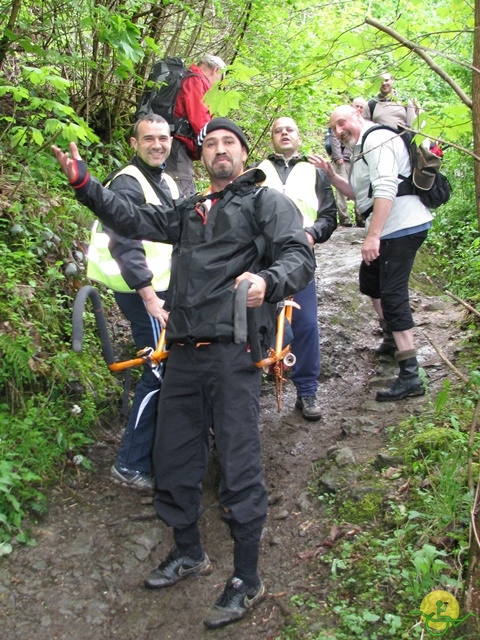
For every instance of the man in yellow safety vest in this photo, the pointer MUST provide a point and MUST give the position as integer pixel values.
(138, 272)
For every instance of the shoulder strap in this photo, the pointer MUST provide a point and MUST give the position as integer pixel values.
(172, 185)
(133, 171)
(259, 239)
(405, 187)
(371, 105)
(376, 128)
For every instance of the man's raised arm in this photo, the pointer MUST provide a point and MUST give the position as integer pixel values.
(146, 222)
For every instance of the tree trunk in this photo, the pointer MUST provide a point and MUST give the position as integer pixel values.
(5, 41)
(472, 589)
(476, 105)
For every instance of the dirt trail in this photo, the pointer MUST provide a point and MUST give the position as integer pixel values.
(84, 579)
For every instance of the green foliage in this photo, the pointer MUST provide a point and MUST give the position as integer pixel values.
(454, 238)
(375, 577)
(16, 354)
(36, 120)
(50, 399)
(32, 444)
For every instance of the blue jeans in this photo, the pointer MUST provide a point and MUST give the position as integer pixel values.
(135, 452)
(306, 344)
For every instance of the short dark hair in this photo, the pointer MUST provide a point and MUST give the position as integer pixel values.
(148, 117)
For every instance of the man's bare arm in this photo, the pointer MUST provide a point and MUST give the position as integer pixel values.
(337, 181)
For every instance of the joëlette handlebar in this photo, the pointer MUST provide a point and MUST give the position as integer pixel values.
(149, 356)
(245, 327)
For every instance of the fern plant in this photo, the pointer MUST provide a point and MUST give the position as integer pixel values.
(15, 351)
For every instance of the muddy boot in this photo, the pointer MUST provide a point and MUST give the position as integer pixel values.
(408, 384)
(387, 347)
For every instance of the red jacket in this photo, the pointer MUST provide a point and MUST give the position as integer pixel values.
(190, 105)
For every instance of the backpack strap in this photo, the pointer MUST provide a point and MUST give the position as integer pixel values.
(405, 187)
(376, 128)
(249, 212)
(371, 105)
(182, 126)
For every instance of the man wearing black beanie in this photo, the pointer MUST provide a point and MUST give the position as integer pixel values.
(211, 381)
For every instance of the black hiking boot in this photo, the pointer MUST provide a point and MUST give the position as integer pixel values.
(234, 603)
(408, 384)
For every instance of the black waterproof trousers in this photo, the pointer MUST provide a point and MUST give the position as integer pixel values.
(210, 386)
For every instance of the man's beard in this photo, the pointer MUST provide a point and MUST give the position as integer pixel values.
(348, 141)
(223, 171)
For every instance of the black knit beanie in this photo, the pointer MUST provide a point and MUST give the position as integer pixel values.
(220, 123)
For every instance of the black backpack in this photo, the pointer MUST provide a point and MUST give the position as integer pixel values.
(440, 191)
(160, 95)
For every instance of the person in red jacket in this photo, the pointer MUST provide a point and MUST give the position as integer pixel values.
(190, 105)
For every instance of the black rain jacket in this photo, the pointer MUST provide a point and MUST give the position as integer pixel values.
(212, 249)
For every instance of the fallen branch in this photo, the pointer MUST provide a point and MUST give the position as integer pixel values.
(445, 359)
(453, 296)
(465, 304)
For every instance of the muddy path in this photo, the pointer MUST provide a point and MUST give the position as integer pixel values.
(84, 579)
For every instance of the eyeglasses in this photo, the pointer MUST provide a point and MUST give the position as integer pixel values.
(281, 129)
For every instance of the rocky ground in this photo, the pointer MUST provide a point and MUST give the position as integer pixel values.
(84, 578)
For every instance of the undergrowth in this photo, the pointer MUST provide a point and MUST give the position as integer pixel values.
(454, 240)
(51, 400)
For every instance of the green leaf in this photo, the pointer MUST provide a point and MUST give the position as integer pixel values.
(19, 93)
(368, 616)
(19, 137)
(13, 501)
(5, 548)
(242, 72)
(37, 137)
(222, 102)
(151, 44)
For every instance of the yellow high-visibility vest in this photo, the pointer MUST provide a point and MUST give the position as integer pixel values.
(101, 267)
(299, 187)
